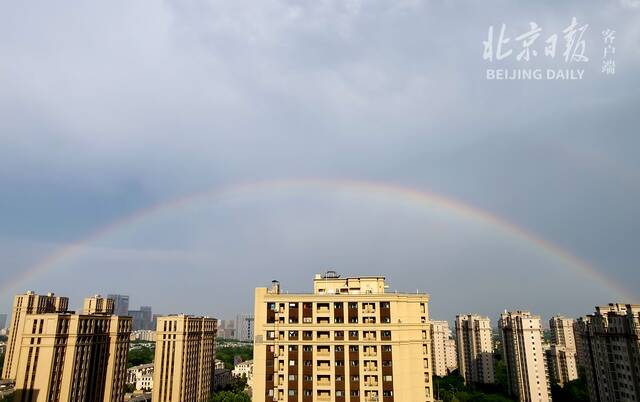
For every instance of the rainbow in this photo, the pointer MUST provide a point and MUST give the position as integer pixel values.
(420, 198)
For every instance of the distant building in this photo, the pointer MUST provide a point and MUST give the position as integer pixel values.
(143, 335)
(443, 348)
(72, 357)
(474, 348)
(185, 358)
(219, 365)
(609, 351)
(347, 339)
(141, 377)
(3, 321)
(120, 304)
(244, 328)
(562, 332)
(561, 363)
(227, 329)
(142, 319)
(561, 355)
(28, 303)
(523, 353)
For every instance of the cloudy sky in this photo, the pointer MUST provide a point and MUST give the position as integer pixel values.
(191, 151)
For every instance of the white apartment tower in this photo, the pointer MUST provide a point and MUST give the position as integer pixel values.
(525, 358)
(475, 348)
(443, 348)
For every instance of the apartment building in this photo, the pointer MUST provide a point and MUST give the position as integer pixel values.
(523, 353)
(184, 359)
(561, 364)
(98, 305)
(28, 303)
(141, 376)
(443, 348)
(475, 349)
(609, 350)
(562, 354)
(349, 340)
(72, 357)
(562, 331)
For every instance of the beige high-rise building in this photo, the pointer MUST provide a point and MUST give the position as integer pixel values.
(349, 340)
(72, 357)
(28, 303)
(185, 357)
(475, 348)
(98, 304)
(561, 356)
(451, 354)
(523, 353)
(609, 350)
(562, 332)
(561, 363)
(443, 349)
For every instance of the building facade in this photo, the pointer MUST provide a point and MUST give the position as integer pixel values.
(72, 357)
(561, 364)
(443, 348)
(475, 349)
(346, 341)
(28, 303)
(184, 359)
(141, 377)
(244, 328)
(561, 329)
(609, 350)
(120, 304)
(98, 305)
(561, 355)
(524, 356)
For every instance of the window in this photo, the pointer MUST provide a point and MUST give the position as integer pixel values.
(292, 377)
(292, 392)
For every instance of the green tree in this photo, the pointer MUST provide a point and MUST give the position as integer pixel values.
(142, 355)
(228, 396)
(227, 353)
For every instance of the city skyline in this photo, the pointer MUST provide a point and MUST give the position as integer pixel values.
(276, 140)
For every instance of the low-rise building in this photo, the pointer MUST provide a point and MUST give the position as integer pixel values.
(244, 369)
(141, 376)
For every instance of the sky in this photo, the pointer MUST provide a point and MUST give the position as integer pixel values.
(184, 153)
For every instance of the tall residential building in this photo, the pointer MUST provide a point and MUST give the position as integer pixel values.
(3, 321)
(185, 359)
(562, 331)
(72, 357)
(475, 350)
(443, 348)
(610, 352)
(561, 362)
(244, 327)
(348, 340)
(561, 356)
(451, 354)
(120, 304)
(97, 305)
(28, 303)
(522, 349)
